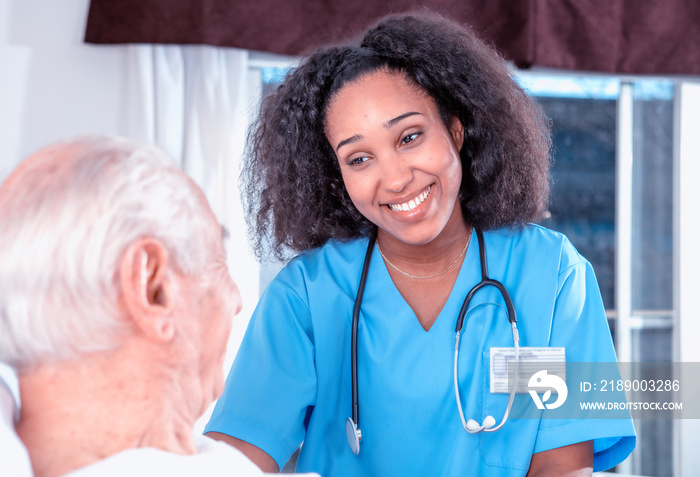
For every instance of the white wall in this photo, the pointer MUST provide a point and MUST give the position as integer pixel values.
(52, 84)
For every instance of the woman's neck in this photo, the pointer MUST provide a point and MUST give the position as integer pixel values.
(430, 258)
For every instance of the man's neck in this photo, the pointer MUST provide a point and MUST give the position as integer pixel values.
(76, 413)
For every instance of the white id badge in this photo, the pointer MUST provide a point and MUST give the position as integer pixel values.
(532, 360)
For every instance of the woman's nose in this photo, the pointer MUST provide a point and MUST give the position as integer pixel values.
(396, 172)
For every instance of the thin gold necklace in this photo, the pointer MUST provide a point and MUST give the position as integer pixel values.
(422, 277)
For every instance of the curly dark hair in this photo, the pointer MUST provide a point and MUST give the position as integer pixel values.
(292, 188)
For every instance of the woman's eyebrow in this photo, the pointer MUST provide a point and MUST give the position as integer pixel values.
(397, 119)
(387, 125)
(349, 140)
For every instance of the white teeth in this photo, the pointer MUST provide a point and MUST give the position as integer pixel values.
(412, 204)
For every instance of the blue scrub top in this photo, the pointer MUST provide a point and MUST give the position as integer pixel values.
(290, 382)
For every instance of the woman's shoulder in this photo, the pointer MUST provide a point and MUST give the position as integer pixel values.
(346, 251)
(538, 242)
(335, 262)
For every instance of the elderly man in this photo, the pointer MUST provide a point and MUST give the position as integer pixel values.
(115, 310)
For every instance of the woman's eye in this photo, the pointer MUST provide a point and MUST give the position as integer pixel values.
(410, 138)
(356, 161)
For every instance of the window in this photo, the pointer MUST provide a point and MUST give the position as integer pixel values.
(613, 197)
(583, 115)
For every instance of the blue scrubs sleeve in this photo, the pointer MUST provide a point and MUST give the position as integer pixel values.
(272, 384)
(579, 325)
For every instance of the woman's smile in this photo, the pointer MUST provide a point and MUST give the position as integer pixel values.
(411, 204)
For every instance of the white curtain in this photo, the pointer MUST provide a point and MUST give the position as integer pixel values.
(195, 102)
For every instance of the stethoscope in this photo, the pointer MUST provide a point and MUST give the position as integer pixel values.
(352, 424)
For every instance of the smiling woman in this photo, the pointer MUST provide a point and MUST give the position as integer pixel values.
(416, 143)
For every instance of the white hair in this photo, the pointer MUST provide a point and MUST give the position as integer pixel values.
(67, 216)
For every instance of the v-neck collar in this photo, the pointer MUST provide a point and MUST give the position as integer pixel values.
(383, 288)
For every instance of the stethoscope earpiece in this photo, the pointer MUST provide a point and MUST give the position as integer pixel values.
(489, 422)
(473, 427)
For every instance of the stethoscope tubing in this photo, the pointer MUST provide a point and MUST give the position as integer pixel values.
(485, 281)
(355, 322)
(511, 397)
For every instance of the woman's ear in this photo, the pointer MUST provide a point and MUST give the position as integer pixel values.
(457, 132)
(146, 285)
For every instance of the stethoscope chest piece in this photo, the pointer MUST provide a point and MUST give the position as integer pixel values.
(354, 435)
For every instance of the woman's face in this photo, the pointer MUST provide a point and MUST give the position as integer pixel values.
(400, 164)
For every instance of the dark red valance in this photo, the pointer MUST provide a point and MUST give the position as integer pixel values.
(617, 36)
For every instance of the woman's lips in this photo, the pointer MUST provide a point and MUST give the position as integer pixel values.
(410, 205)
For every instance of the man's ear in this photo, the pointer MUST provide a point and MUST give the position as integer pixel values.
(147, 288)
(457, 132)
